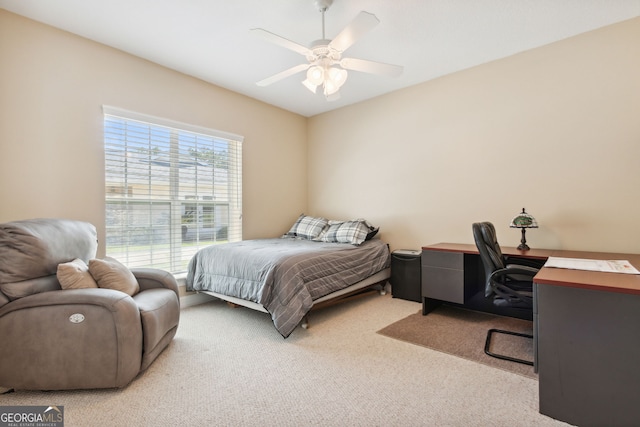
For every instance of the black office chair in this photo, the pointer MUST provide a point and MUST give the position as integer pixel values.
(510, 285)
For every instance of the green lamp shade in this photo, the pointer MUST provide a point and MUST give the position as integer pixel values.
(523, 220)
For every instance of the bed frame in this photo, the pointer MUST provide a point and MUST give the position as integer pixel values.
(374, 282)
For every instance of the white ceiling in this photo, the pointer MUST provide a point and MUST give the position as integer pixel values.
(210, 39)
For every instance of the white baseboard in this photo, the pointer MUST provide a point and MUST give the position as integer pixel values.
(194, 299)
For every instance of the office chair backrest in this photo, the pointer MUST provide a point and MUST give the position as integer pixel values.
(484, 233)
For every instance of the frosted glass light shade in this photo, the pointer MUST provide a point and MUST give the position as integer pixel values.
(330, 78)
(337, 76)
(312, 87)
(315, 75)
(330, 87)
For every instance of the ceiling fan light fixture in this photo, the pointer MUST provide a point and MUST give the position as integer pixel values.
(325, 65)
(337, 75)
(315, 75)
(309, 85)
(330, 78)
(335, 78)
(333, 97)
(330, 87)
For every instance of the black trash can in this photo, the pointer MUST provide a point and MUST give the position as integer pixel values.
(405, 274)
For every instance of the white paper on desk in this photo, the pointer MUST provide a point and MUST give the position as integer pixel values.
(607, 266)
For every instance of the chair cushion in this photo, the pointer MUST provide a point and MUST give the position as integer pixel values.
(109, 273)
(16, 290)
(33, 248)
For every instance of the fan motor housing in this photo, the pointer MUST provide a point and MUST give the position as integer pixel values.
(323, 5)
(321, 49)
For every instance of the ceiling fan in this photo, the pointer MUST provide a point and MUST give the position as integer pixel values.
(325, 65)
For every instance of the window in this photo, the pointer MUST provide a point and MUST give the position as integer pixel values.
(170, 189)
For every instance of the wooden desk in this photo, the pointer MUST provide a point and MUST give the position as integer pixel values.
(586, 329)
(506, 250)
(608, 282)
(453, 273)
(587, 343)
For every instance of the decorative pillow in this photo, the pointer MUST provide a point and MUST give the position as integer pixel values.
(307, 227)
(111, 274)
(354, 232)
(75, 275)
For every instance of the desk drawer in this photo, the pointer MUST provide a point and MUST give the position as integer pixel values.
(442, 259)
(443, 276)
(443, 284)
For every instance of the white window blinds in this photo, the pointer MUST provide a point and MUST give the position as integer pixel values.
(170, 189)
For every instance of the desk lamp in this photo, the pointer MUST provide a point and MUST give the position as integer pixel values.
(523, 220)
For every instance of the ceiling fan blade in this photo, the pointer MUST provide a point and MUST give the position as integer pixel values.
(283, 74)
(281, 41)
(371, 67)
(362, 24)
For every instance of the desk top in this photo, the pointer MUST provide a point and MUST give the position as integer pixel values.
(506, 250)
(611, 282)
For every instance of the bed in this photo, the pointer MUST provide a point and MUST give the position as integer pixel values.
(288, 276)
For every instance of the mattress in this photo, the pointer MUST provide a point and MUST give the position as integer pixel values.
(284, 275)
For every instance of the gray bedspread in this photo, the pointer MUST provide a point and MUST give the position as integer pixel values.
(284, 275)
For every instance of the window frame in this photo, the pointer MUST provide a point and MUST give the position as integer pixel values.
(205, 203)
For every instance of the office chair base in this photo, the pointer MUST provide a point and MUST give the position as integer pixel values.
(502, 356)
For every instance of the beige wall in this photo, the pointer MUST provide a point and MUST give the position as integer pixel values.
(555, 130)
(52, 88)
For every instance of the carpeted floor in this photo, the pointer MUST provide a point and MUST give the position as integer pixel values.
(463, 333)
(230, 367)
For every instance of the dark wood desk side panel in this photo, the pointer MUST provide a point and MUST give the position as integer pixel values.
(588, 355)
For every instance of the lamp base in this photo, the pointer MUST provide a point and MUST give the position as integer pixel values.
(523, 242)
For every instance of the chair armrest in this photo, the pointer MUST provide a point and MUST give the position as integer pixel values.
(512, 270)
(107, 298)
(150, 278)
(516, 290)
(528, 262)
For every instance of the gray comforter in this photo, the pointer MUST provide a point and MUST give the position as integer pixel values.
(284, 275)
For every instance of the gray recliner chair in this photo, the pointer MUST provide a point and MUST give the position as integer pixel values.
(55, 339)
